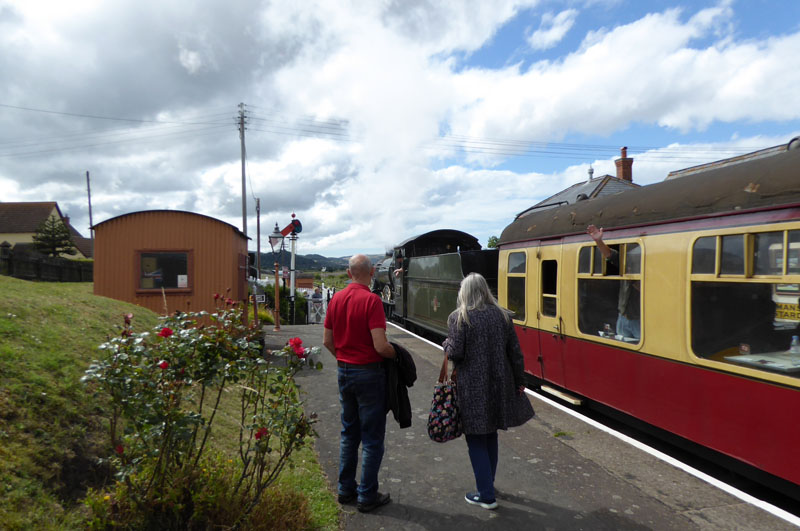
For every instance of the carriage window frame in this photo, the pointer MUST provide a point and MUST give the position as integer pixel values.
(548, 289)
(748, 279)
(750, 250)
(517, 277)
(598, 270)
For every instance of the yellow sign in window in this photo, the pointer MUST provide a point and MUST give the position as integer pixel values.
(789, 312)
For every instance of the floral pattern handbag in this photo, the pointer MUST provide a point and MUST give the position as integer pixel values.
(444, 422)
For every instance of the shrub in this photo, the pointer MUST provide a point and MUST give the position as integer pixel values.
(165, 389)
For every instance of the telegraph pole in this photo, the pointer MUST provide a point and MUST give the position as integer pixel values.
(258, 260)
(91, 225)
(244, 207)
(244, 186)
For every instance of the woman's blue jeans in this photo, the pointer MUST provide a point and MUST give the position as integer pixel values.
(362, 394)
(483, 456)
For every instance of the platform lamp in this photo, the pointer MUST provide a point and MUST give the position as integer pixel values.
(276, 240)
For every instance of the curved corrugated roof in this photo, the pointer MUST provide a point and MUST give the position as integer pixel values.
(236, 229)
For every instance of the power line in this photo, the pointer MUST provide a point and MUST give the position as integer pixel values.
(75, 137)
(337, 129)
(97, 117)
(213, 130)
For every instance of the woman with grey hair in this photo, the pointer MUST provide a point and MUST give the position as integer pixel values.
(485, 350)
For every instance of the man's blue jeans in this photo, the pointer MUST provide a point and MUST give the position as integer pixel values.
(362, 394)
(483, 456)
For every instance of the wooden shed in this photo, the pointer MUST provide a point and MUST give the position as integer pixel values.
(149, 256)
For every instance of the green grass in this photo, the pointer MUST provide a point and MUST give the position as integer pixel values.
(53, 431)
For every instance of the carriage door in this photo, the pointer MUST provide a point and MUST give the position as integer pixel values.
(547, 305)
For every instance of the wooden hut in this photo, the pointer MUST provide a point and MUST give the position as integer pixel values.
(182, 258)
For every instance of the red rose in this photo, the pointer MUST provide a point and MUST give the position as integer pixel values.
(216, 296)
(165, 332)
(119, 449)
(163, 364)
(300, 352)
(262, 432)
(296, 342)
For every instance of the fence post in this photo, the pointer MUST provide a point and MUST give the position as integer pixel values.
(5, 258)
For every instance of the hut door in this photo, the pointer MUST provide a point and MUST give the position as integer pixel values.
(548, 312)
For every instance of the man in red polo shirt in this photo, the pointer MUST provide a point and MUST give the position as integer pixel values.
(355, 332)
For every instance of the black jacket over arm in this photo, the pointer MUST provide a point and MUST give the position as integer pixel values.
(401, 373)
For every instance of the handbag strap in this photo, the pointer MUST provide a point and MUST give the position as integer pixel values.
(443, 371)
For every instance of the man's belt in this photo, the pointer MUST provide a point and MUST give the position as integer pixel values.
(375, 365)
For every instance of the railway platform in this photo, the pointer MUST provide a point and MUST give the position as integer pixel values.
(554, 473)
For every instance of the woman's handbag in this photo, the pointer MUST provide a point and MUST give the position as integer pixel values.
(444, 423)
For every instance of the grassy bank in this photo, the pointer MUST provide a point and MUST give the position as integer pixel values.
(52, 431)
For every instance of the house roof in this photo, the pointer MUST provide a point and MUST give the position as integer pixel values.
(26, 217)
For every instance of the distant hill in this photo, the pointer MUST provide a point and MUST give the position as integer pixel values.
(312, 262)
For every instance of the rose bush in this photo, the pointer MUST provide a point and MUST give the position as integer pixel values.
(165, 390)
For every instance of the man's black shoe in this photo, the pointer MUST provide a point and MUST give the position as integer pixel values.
(347, 498)
(380, 499)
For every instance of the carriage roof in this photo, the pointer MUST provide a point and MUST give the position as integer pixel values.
(760, 184)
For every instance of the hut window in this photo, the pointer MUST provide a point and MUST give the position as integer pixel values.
(168, 270)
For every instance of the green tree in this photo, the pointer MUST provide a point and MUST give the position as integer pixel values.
(493, 241)
(52, 238)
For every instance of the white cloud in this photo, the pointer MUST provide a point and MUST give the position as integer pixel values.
(382, 80)
(552, 29)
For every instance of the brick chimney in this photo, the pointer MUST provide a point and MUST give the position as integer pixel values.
(624, 166)
(66, 218)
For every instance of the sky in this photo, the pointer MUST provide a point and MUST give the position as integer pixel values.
(377, 120)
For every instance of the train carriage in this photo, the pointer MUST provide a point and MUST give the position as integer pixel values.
(710, 268)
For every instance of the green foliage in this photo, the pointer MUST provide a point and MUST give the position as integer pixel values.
(212, 502)
(336, 280)
(52, 238)
(51, 436)
(165, 389)
(493, 242)
(300, 305)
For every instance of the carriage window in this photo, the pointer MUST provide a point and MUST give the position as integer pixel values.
(610, 305)
(550, 288)
(633, 259)
(516, 263)
(516, 297)
(515, 286)
(793, 263)
(585, 260)
(704, 255)
(732, 261)
(597, 262)
(749, 322)
(768, 251)
(746, 323)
